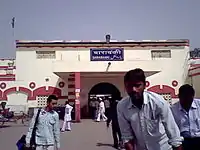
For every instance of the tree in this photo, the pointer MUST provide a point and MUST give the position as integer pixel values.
(195, 53)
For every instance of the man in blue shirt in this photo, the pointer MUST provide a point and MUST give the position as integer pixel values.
(145, 119)
(187, 116)
(48, 128)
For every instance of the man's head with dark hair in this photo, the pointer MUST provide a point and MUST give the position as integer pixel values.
(51, 102)
(134, 81)
(3, 105)
(135, 75)
(186, 95)
(66, 102)
(186, 90)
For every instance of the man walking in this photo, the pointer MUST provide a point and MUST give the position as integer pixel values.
(187, 115)
(92, 108)
(96, 107)
(101, 111)
(48, 128)
(112, 116)
(145, 118)
(67, 119)
(107, 105)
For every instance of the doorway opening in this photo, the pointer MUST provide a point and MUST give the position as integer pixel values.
(104, 90)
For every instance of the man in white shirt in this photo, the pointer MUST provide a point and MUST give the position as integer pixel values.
(145, 119)
(67, 118)
(101, 111)
(187, 116)
(96, 107)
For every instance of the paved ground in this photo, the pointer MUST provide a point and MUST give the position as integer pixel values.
(87, 135)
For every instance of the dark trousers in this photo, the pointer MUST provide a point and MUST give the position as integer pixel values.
(116, 135)
(93, 112)
(107, 111)
(191, 144)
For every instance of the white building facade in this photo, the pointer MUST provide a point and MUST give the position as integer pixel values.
(73, 69)
(194, 75)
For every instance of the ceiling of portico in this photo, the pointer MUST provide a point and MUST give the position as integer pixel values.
(102, 74)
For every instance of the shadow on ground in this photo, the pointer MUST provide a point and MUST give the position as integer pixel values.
(104, 144)
(4, 126)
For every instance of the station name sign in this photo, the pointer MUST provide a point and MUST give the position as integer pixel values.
(107, 54)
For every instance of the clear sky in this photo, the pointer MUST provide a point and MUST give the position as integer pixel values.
(92, 19)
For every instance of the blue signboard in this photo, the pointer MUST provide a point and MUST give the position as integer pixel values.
(107, 54)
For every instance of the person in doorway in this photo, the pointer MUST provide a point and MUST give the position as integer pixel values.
(145, 118)
(67, 118)
(3, 105)
(92, 108)
(48, 128)
(187, 115)
(101, 111)
(107, 105)
(112, 116)
(96, 107)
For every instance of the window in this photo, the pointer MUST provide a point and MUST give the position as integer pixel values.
(9, 71)
(41, 101)
(167, 97)
(161, 54)
(45, 54)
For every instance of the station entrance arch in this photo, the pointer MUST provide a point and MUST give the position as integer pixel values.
(104, 89)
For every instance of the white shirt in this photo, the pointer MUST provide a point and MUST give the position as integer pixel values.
(101, 106)
(68, 110)
(188, 122)
(152, 127)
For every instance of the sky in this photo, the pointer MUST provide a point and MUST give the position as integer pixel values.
(93, 19)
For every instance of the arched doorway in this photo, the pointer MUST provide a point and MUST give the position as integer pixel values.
(106, 89)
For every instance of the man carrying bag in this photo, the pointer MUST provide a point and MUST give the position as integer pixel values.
(33, 135)
(44, 130)
(21, 144)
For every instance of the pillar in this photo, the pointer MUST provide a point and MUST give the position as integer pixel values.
(77, 97)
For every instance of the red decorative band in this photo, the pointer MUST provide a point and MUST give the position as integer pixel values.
(71, 79)
(71, 85)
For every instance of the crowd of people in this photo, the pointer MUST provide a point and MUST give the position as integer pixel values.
(106, 108)
(141, 121)
(99, 108)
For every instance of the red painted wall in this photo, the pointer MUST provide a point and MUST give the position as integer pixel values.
(166, 89)
(57, 91)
